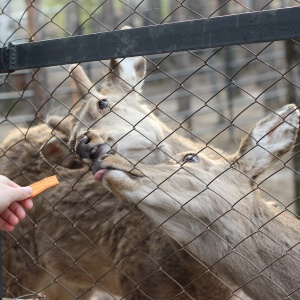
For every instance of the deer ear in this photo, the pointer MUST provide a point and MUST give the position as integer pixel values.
(269, 140)
(82, 82)
(127, 72)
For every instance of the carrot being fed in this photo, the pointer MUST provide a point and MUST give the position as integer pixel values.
(43, 184)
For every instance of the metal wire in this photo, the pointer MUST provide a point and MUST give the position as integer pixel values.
(80, 241)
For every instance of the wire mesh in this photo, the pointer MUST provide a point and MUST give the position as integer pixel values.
(81, 241)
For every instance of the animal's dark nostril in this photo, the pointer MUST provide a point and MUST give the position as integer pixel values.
(84, 148)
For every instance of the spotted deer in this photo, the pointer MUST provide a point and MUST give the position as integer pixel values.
(211, 208)
(78, 237)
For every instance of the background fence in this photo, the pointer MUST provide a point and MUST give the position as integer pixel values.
(216, 93)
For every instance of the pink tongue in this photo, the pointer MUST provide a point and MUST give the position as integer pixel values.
(98, 175)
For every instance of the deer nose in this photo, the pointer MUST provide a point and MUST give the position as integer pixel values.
(87, 149)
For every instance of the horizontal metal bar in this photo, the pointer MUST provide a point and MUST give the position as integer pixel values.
(257, 27)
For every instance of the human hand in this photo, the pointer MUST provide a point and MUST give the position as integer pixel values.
(13, 202)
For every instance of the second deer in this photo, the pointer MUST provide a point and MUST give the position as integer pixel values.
(211, 207)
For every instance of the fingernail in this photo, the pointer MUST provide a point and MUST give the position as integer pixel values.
(28, 190)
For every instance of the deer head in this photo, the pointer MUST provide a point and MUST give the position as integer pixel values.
(195, 173)
(112, 119)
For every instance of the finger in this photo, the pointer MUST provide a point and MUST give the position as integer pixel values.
(20, 193)
(5, 226)
(17, 210)
(9, 217)
(26, 204)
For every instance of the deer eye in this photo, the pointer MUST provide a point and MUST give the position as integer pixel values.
(103, 103)
(191, 158)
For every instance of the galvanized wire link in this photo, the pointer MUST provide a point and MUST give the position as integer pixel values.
(81, 242)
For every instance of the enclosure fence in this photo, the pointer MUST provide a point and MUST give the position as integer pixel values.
(213, 70)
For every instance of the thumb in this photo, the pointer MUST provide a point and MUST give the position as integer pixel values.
(21, 193)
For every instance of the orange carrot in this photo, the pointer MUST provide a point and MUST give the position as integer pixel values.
(43, 184)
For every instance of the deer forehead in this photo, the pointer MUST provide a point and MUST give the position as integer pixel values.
(128, 126)
(120, 112)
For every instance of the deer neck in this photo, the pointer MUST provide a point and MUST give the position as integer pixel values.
(241, 246)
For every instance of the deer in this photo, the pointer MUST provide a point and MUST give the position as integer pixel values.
(211, 208)
(30, 260)
(79, 237)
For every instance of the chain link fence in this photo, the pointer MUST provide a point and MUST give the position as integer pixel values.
(82, 242)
